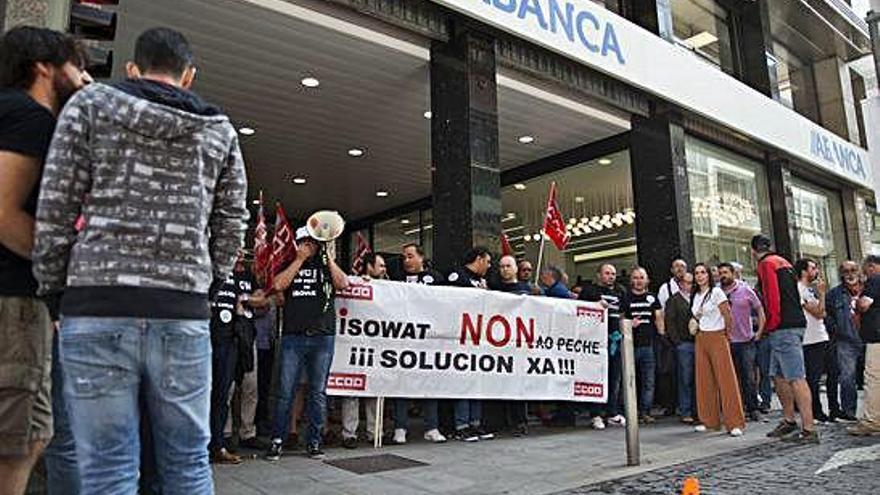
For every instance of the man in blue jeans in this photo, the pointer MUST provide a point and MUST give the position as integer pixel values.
(676, 316)
(846, 345)
(309, 284)
(158, 177)
(644, 309)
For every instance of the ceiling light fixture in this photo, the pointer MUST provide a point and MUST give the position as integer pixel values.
(355, 152)
(578, 199)
(299, 180)
(519, 187)
(382, 194)
(255, 202)
(428, 114)
(526, 139)
(246, 131)
(605, 161)
(404, 221)
(310, 82)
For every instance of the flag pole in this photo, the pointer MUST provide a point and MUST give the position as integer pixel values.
(540, 258)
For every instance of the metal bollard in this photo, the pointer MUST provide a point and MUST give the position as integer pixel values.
(633, 456)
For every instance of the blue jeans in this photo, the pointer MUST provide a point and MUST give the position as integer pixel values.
(224, 357)
(468, 412)
(429, 410)
(765, 381)
(646, 365)
(848, 354)
(313, 354)
(62, 473)
(744, 357)
(685, 353)
(111, 363)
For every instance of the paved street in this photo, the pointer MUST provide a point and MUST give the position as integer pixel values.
(840, 465)
(551, 461)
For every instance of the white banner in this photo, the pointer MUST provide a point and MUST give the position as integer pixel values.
(410, 340)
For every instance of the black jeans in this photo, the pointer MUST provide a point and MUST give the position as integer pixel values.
(818, 361)
(263, 420)
(224, 357)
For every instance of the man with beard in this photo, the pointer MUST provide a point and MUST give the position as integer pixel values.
(39, 70)
(678, 270)
(842, 323)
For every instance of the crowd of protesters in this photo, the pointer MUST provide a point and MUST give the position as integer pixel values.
(162, 318)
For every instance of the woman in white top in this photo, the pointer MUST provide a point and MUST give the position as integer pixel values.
(715, 372)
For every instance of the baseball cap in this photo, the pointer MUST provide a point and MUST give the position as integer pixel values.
(302, 233)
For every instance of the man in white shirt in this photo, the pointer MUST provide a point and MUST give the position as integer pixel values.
(671, 287)
(816, 348)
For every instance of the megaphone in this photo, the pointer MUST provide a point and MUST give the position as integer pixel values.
(325, 225)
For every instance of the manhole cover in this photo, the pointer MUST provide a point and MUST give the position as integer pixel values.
(375, 463)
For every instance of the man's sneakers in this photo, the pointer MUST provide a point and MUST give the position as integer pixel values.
(485, 435)
(399, 436)
(467, 434)
(784, 428)
(434, 436)
(803, 437)
(350, 442)
(647, 419)
(862, 430)
(845, 418)
(617, 420)
(315, 452)
(688, 420)
(223, 456)
(598, 424)
(700, 428)
(274, 451)
(522, 430)
(755, 416)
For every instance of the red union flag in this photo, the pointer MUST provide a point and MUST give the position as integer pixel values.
(363, 249)
(554, 224)
(506, 249)
(262, 254)
(283, 245)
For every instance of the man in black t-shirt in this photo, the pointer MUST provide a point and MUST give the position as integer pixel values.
(611, 295)
(469, 412)
(232, 338)
(309, 284)
(643, 308)
(39, 70)
(414, 272)
(869, 306)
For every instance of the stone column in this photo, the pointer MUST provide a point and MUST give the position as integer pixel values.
(466, 182)
(858, 226)
(664, 229)
(756, 42)
(42, 13)
(781, 203)
(837, 108)
(653, 15)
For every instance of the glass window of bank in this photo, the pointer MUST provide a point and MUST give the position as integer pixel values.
(817, 226)
(704, 27)
(729, 202)
(596, 200)
(389, 236)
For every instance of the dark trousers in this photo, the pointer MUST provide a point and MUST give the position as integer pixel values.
(263, 420)
(224, 357)
(818, 361)
(614, 405)
(765, 381)
(744, 362)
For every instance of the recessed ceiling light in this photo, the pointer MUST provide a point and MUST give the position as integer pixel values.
(355, 152)
(255, 202)
(578, 199)
(246, 131)
(381, 194)
(526, 139)
(299, 180)
(310, 82)
(404, 221)
(428, 114)
(519, 187)
(605, 161)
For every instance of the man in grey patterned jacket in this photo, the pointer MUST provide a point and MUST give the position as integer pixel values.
(159, 179)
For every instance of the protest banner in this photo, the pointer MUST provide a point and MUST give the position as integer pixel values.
(411, 340)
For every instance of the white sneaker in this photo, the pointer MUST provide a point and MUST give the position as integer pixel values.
(617, 420)
(598, 424)
(399, 436)
(736, 432)
(435, 436)
(701, 428)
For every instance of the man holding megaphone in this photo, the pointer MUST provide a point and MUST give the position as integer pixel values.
(309, 285)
